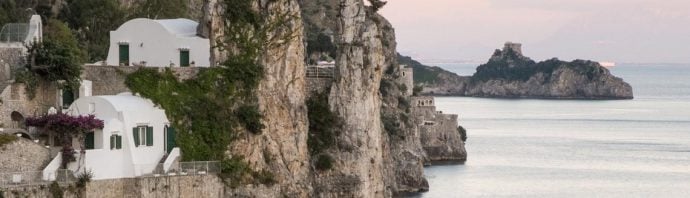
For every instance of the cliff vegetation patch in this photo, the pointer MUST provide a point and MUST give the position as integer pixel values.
(57, 58)
(6, 139)
(324, 126)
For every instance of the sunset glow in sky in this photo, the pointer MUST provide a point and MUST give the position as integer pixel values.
(646, 31)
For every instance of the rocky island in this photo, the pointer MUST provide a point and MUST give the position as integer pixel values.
(510, 74)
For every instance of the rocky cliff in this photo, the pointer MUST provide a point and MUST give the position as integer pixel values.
(510, 74)
(282, 146)
(359, 169)
(379, 153)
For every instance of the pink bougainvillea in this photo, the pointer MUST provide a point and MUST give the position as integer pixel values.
(67, 127)
(63, 123)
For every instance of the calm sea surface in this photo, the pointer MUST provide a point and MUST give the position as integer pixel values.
(575, 148)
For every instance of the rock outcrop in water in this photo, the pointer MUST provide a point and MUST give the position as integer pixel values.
(510, 74)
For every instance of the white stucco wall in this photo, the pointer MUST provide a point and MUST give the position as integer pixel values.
(158, 43)
(120, 114)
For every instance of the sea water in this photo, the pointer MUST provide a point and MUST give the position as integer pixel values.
(575, 148)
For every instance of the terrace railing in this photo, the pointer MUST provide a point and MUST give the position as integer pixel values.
(185, 168)
(29, 178)
(315, 71)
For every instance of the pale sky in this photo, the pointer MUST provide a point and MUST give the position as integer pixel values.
(639, 31)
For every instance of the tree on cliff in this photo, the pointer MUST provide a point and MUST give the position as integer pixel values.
(57, 58)
(91, 21)
(377, 4)
(161, 9)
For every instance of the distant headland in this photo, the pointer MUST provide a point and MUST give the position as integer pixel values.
(510, 74)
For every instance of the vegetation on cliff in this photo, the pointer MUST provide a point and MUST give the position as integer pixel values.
(324, 126)
(57, 58)
(6, 139)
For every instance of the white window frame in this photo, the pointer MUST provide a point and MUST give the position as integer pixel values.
(142, 134)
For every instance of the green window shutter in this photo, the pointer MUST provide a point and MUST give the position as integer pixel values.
(118, 141)
(112, 142)
(171, 139)
(135, 134)
(149, 136)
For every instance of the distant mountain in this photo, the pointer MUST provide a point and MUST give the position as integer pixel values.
(510, 74)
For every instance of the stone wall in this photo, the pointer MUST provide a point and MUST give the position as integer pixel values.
(14, 99)
(176, 186)
(23, 155)
(10, 59)
(110, 80)
(207, 186)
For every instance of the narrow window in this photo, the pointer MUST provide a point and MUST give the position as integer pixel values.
(90, 141)
(67, 97)
(184, 58)
(124, 54)
(115, 142)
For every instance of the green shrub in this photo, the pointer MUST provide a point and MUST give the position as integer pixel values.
(91, 22)
(264, 177)
(56, 190)
(463, 133)
(250, 117)
(323, 129)
(6, 139)
(84, 178)
(323, 124)
(57, 58)
(235, 172)
(416, 90)
(323, 162)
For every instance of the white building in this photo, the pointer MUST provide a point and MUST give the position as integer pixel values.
(158, 43)
(135, 138)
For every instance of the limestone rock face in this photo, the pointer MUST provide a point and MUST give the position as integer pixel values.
(403, 153)
(358, 169)
(281, 148)
(211, 26)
